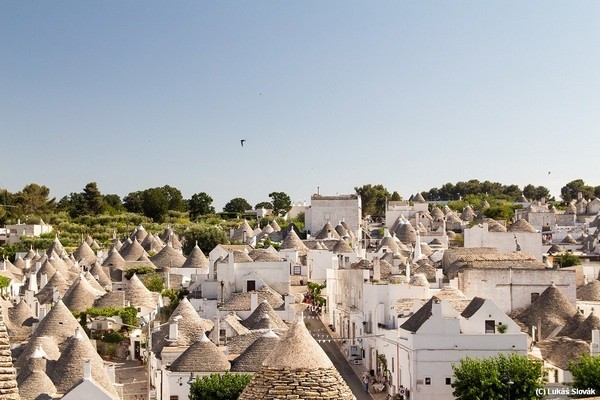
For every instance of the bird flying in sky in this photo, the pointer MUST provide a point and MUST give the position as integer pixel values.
(242, 142)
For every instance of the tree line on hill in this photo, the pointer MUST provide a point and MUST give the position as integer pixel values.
(34, 202)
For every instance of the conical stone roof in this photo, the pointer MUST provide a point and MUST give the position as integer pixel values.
(243, 232)
(138, 295)
(133, 252)
(190, 327)
(292, 241)
(264, 308)
(21, 319)
(197, 259)
(521, 226)
(406, 233)
(569, 239)
(168, 257)
(342, 247)
(140, 234)
(8, 373)
(68, 370)
(46, 269)
(202, 356)
(552, 309)
(46, 295)
(572, 325)
(589, 292)
(114, 260)
(390, 243)
(275, 226)
(55, 247)
(297, 368)
(327, 232)
(265, 255)
(84, 254)
(94, 282)
(467, 214)
(252, 358)
(584, 332)
(46, 343)
(98, 272)
(81, 295)
(19, 263)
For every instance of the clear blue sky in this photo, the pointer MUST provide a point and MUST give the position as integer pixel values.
(335, 94)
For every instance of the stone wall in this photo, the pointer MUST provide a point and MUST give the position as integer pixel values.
(315, 384)
(511, 289)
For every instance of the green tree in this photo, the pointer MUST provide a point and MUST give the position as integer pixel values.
(207, 237)
(237, 205)
(219, 386)
(572, 189)
(200, 204)
(281, 203)
(396, 196)
(4, 282)
(93, 199)
(490, 378)
(536, 192)
(567, 260)
(586, 373)
(174, 198)
(264, 204)
(149, 277)
(373, 199)
(133, 202)
(155, 204)
(34, 200)
(503, 211)
(113, 203)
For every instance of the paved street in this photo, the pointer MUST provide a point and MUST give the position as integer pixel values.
(133, 377)
(317, 328)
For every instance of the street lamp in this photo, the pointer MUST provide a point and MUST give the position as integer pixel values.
(509, 384)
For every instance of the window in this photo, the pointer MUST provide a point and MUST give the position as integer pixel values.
(448, 381)
(427, 380)
(490, 326)
(250, 286)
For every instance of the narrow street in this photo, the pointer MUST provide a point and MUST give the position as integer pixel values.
(318, 329)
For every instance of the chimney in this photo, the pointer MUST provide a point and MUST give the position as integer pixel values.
(27, 264)
(416, 305)
(376, 269)
(216, 332)
(42, 313)
(38, 265)
(33, 283)
(408, 269)
(595, 342)
(87, 370)
(174, 330)
(253, 301)
(436, 308)
(43, 280)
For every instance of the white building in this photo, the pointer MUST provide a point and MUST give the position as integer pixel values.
(438, 336)
(520, 236)
(333, 209)
(13, 233)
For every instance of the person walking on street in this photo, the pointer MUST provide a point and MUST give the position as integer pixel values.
(366, 382)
